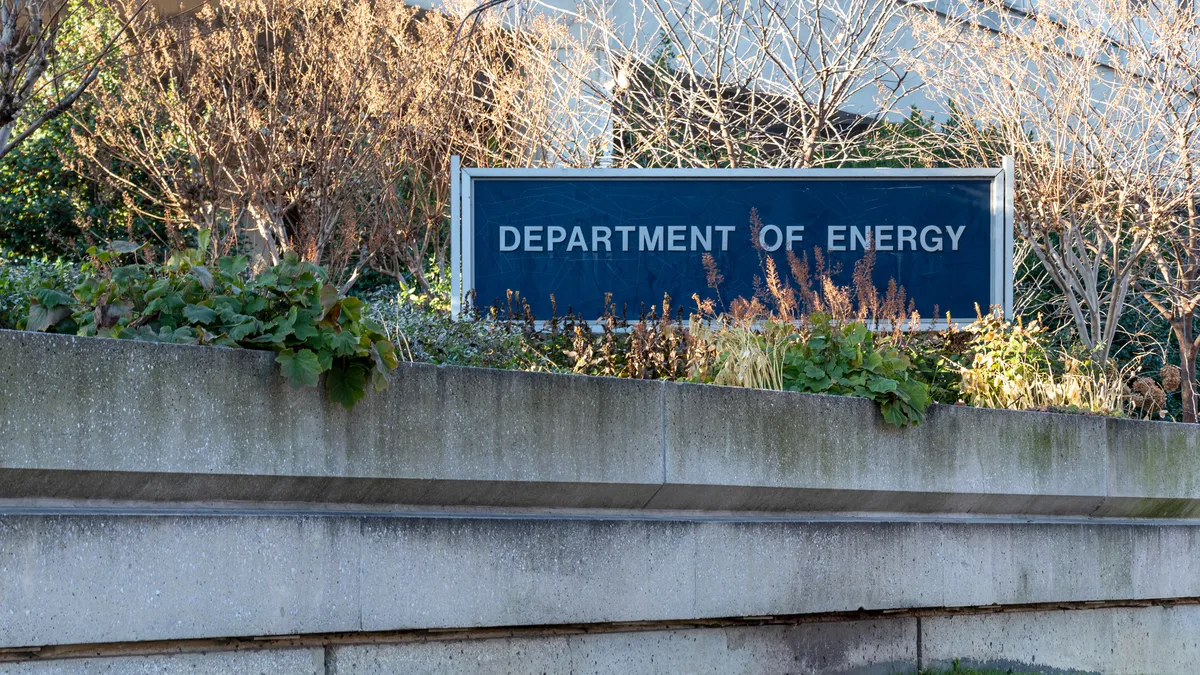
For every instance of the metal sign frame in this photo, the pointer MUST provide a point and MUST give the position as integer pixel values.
(462, 244)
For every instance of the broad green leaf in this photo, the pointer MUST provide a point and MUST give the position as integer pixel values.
(159, 289)
(347, 384)
(329, 298)
(205, 277)
(892, 415)
(352, 308)
(123, 246)
(881, 385)
(343, 343)
(240, 331)
(42, 318)
(199, 314)
(301, 368)
(50, 298)
(305, 326)
(378, 380)
(387, 352)
(233, 265)
(254, 304)
(283, 326)
(173, 301)
(128, 274)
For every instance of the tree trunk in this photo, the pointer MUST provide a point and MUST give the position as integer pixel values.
(1182, 328)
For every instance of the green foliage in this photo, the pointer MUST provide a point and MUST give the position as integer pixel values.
(844, 359)
(939, 358)
(286, 309)
(425, 332)
(1013, 366)
(655, 347)
(41, 199)
(20, 278)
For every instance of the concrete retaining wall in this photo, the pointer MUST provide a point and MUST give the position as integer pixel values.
(108, 419)
(154, 494)
(87, 579)
(1114, 641)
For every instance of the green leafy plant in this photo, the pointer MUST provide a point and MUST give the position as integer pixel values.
(21, 277)
(1013, 367)
(286, 309)
(842, 358)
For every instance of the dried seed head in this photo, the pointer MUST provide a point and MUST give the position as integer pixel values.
(1170, 377)
(1151, 397)
(1142, 385)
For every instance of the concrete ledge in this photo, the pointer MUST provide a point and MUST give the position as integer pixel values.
(1154, 640)
(84, 418)
(92, 579)
(204, 423)
(273, 662)
(1124, 641)
(849, 648)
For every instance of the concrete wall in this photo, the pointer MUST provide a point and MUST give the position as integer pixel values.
(99, 579)
(158, 499)
(1116, 641)
(107, 419)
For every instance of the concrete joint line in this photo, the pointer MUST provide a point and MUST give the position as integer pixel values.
(330, 641)
(86, 508)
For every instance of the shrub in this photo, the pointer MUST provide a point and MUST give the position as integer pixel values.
(319, 127)
(842, 358)
(1011, 367)
(20, 277)
(656, 346)
(286, 309)
(938, 357)
(824, 357)
(742, 356)
(424, 332)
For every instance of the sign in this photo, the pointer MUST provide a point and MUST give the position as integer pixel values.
(944, 235)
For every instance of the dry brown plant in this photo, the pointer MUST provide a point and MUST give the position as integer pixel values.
(1042, 87)
(1097, 102)
(785, 83)
(38, 82)
(320, 127)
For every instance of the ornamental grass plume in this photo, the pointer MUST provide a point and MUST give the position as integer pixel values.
(743, 356)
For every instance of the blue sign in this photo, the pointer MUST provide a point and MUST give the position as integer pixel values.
(577, 235)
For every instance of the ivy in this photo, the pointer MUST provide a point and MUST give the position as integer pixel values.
(286, 309)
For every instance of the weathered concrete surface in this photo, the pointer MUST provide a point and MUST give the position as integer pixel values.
(91, 418)
(1153, 470)
(82, 418)
(267, 662)
(784, 451)
(89, 579)
(1141, 641)
(850, 648)
(68, 580)
(1121, 641)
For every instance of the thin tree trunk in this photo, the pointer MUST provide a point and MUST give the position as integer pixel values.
(1182, 328)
